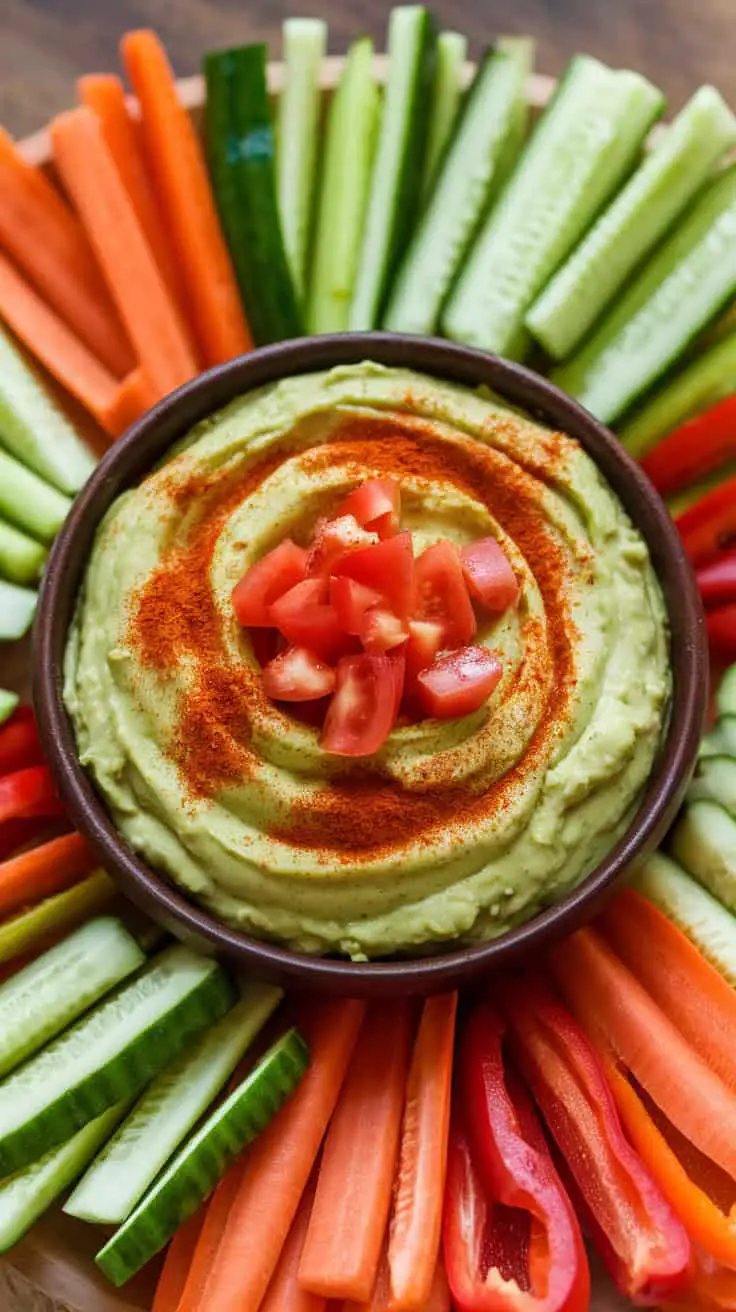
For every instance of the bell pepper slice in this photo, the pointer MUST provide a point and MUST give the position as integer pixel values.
(19, 742)
(504, 1199)
(717, 581)
(709, 527)
(693, 450)
(641, 1240)
(720, 625)
(28, 794)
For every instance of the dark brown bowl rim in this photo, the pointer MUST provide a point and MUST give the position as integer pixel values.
(133, 456)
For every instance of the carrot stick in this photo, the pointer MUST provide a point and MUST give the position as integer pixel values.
(203, 1255)
(277, 1165)
(414, 1240)
(133, 397)
(175, 1267)
(610, 1002)
(284, 1293)
(49, 339)
(351, 1208)
(179, 173)
(380, 1301)
(44, 871)
(134, 278)
(47, 241)
(691, 992)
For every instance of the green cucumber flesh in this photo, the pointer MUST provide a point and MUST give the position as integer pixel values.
(8, 703)
(452, 52)
(26, 1196)
(167, 1111)
(474, 164)
(638, 217)
(715, 781)
(30, 503)
(397, 175)
(721, 741)
(35, 429)
(349, 151)
(110, 1054)
(703, 382)
(678, 292)
(39, 1001)
(297, 135)
(726, 694)
(196, 1169)
(582, 149)
(21, 557)
(17, 608)
(704, 842)
(241, 152)
(695, 911)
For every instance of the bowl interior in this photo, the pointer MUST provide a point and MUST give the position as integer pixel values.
(132, 458)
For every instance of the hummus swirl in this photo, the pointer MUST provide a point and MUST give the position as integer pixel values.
(455, 830)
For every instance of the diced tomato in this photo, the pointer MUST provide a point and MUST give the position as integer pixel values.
(458, 682)
(382, 630)
(388, 567)
(363, 709)
(351, 601)
(332, 538)
(376, 504)
(442, 594)
(298, 675)
(307, 619)
(265, 644)
(425, 640)
(397, 659)
(266, 581)
(489, 575)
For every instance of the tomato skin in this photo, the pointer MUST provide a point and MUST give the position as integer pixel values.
(458, 682)
(351, 601)
(381, 630)
(364, 706)
(271, 576)
(298, 675)
(332, 538)
(489, 575)
(425, 641)
(376, 504)
(387, 567)
(307, 619)
(442, 593)
(397, 660)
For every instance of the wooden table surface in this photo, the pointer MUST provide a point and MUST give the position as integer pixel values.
(46, 44)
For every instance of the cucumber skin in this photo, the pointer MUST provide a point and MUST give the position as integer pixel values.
(700, 384)
(241, 153)
(452, 52)
(123, 1076)
(61, 912)
(8, 703)
(187, 1182)
(726, 695)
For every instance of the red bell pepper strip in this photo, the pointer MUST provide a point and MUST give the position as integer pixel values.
(19, 742)
(720, 625)
(28, 793)
(717, 581)
(642, 1242)
(499, 1167)
(698, 447)
(709, 527)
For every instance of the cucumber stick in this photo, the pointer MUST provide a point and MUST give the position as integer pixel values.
(492, 124)
(241, 151)
(452, 52)
(721, 741)
(35, 429)
(397, 176)
(30, 503)
(700, 384)
(196, 1169)
(297, 135)
(704, 842)
(695, 911)
(647, 206)
(167, 1111)
(349, 149)
(8, 703)
(110, 1054)
(584, 146)
(726, 694)
(715, 781)
(679, 291)
(27, 1195)
(17, 608)
(55, 914)
(21, 557)
(47, 995)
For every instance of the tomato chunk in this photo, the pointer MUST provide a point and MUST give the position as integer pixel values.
(397, 660)
(363, 709)
(442, 594)
(376, 504)
(351, 601)
(388, 567)
(425, 640)
(298, 675)
(332, 538)
(458, 682)
(381, 630)
(266, 581)
(489, 575)
(307, 619)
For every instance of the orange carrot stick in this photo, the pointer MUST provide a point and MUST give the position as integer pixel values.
(202, 1256)
(47, 337)
(691, 992)
(414, 1240)
(180, 177)
(276, 1167)
(133, 397)
(284, 1293)
(610, 1002)
(104, 94)
(351, 1208)
(175, 1267)
(47, 241)
(134, 278)
(43, 871)
(380, 1301)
